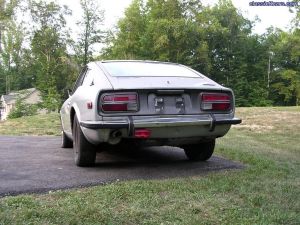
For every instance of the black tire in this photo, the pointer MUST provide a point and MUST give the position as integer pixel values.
(84, 151)
(200, 152)
(65, 141)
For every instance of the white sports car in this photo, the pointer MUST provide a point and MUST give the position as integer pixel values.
(145, 103)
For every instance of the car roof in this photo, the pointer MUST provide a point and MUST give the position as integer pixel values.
(142, 61)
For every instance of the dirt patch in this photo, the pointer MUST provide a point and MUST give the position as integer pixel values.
(256, 128)
(262, 120)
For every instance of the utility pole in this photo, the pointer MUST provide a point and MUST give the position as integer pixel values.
(7, 84)
(269, 68)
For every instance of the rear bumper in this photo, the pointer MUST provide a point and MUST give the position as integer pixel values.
(179, 128)
(156, 122)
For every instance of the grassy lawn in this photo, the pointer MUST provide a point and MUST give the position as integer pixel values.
(48, 124)
(267, 191)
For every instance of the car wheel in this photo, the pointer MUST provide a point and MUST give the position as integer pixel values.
(200, 152)
(65, 141)
(84, 151)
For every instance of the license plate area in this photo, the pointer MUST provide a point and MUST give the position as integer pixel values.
(166, 104)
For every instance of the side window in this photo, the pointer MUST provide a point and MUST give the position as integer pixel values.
(79, 80)
(88, 79)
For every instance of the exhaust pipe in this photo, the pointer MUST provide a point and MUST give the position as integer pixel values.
(115, 137)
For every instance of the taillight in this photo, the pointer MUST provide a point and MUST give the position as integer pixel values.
(215, 101)
(142, 133)
(119, 102)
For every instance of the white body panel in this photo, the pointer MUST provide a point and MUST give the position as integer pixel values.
(96, 125)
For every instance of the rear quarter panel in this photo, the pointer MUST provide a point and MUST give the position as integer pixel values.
(88, 93)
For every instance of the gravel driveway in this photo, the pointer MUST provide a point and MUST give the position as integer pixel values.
(31, 164)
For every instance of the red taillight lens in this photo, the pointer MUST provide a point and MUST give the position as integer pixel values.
(114, 107)
(221, 106)
(142, 133)
(119, 102)
(215, 97)
(215, 102)
(119, 98)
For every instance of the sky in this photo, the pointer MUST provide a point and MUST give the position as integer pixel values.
(269, 15)
(277, 16)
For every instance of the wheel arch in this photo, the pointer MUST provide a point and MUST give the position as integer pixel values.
(74, 111)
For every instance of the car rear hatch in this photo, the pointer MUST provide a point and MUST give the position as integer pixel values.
(161, 83)
(161, 95)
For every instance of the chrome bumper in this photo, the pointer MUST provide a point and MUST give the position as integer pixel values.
(132, 122)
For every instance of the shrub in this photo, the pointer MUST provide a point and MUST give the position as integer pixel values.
(23, 109)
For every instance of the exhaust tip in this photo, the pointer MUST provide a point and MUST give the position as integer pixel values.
(116, 134)
(115, 137)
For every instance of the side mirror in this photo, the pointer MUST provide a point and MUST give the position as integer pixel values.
(69, 91)
(66, 94)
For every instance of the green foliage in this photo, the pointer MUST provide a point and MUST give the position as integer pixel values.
(49, 14)
(288, 85)
(11, 55)
(266, 191)
(7, 10)
(129, 40)
(236, 56)
(23, 109)
(90, 34)
(10, 41)
(285, 76)
(216, 41)
(51, 100)
(46, 63)
(52, 64)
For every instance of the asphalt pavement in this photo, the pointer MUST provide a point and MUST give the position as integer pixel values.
(37, 164)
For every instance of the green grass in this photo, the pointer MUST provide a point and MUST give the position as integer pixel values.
(45, 124)
(267, 191)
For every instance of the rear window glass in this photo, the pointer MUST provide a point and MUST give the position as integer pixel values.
(142, 69)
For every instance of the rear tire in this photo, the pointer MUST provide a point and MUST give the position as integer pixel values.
(200, 152)
(84, 151)
(65, 141)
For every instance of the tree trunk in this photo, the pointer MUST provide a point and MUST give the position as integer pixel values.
(86, 40)
(0, 40)
(1, 27)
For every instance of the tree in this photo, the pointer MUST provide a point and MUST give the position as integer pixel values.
(239, 58)
(49, 15)
(52, 65)
(214, 40)
(172, 36)
(285, 79)
(11, 54)
(91, 33)
(7, 9)
(157, 30)
(23, 109)
(288, 85)
(128, 42)
(295, 8)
